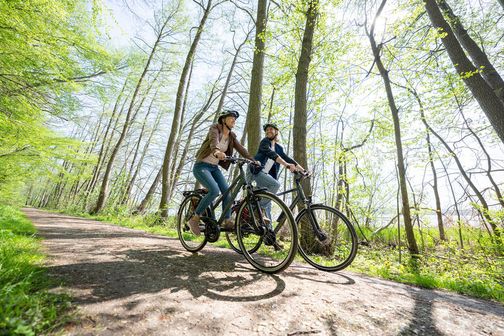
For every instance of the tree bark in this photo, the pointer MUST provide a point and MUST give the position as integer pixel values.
(478, 56)
(96, 171)
(412, 245)
(482, 92)
(300, 97)
(165, 188)
(484, 212)
(254, 107)
(104, 186)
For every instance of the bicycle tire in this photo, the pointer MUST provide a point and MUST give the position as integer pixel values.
(264, 259)
(333, 255)
(189, 241)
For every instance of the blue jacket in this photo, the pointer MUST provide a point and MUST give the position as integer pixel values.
(264, 153)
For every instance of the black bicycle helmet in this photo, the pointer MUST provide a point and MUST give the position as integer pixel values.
(226, 113)
(270, 125)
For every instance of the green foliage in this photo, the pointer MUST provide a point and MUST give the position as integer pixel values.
(26, 306)
(48, 49)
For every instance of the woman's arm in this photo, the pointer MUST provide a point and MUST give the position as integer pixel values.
(242, 150)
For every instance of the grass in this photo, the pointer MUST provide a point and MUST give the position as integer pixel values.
(26, 305)
(475, 270)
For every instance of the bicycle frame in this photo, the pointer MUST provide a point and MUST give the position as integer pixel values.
(307, 201)
(234, 189)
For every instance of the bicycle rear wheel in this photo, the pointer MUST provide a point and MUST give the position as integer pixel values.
(190, 241)
(338, 250)
(232, 239)
(277, 250)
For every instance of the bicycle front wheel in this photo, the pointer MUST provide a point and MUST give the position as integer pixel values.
(277, 232)
(233, 243)
(335, 252)
(190, 241)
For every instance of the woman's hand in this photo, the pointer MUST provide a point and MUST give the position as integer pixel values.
(219, 155)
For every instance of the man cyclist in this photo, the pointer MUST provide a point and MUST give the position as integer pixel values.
(271, 155)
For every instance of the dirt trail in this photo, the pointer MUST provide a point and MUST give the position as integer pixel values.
(127, 282)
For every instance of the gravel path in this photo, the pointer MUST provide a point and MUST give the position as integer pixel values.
(127, 282)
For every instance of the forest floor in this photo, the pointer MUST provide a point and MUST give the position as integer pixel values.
(128, 282)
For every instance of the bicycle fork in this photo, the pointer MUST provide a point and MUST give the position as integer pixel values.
(319, 233)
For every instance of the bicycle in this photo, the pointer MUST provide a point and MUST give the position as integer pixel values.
(327, 239)
(266, 248)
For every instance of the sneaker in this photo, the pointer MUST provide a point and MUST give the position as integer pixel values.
(194, 225)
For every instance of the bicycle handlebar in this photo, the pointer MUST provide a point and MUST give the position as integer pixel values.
(233, 159)
(304, 174)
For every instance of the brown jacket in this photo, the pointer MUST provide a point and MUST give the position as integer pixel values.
(213, 139)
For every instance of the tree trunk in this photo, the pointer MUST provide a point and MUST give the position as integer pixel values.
(439, 213)
(300, 98)
(165, 188)
(300, 115)
(150, 193)
(478, 194)
(412, 245)
(500, 198)
(229, 77)
(484, 94)
(104, 186)
(101, 155)
(455, 203)
(254, 107)
(477, 55)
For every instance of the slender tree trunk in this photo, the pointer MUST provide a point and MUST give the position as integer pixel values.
(500, 198)
(300, 98)
(254, 107)
(104, 186)
(455, 203)
(484, 94)
(130, 180)
(412, 245)
(165, 188)
(144, 152)
(477, 55)
(101, 155)
(150, 192)
(300, 116)
(485, 211)
(439, 213)
(229, 77)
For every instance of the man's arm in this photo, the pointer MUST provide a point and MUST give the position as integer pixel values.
(289, 162)
(265, 148)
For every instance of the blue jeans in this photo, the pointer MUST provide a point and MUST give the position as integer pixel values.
(211, 178)
(264, 180)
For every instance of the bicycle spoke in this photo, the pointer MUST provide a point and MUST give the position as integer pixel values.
(337, 250)
(190, 241)
(277, 250)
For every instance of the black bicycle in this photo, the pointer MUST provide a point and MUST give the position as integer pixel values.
(327, 239)
(264, 244)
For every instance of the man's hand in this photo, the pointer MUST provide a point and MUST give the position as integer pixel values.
(292, 167)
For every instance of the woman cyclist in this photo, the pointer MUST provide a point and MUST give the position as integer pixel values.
(219, 143)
